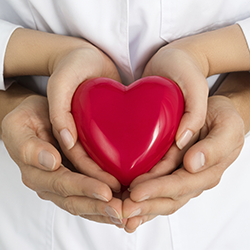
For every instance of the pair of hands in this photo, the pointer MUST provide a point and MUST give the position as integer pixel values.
(162, 191)
(88, 191)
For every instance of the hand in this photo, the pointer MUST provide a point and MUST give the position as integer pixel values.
(70, 69)
(221, 140)
(183, 68)
(26, 132)
(189, 61)
(69, 61)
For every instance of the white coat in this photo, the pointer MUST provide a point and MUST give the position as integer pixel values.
(130, 32)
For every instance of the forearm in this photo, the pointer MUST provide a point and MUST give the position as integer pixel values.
(237, 88)
(31, 52)
(219, 51)
(10, 99)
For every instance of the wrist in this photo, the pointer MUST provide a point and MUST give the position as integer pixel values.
(219, 51)
(32, 52)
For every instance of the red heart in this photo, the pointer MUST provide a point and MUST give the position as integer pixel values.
(127, 130)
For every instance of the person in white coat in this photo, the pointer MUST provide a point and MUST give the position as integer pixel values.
(62, 19)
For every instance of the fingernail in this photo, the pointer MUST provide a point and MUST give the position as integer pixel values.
(144, 198)
(46, 159)
(100, 197)
(112, 212)
(198, 161)
(184, 139)
(116, 221)
(67, 138)
(135, 213)
(141, 222)
(116, 191)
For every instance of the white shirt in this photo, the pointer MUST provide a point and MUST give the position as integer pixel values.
(130, 32)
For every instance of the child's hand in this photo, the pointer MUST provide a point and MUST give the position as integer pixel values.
(189, 61)
(186, 71)
(71, 69)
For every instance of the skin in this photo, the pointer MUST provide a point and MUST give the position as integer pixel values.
(165, 192)
(68, 59)
(221, 140)
(26, 130)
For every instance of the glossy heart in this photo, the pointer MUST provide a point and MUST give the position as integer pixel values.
(126, 130)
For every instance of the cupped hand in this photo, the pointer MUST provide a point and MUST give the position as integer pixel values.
(27, 134)
(220, 142)
(69, 70)
(190, 60)
(186, 69)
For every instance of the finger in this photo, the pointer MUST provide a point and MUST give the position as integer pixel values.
(224, 137)
(152, 207)
(188, 80)
(41, 154)
(70, 72)
(63, 182)
(195, 108)
(98, 218)
(84, 206)
(170, 162)
(104, 219)
(179, 183)
(164, 199)
(84, 164)
(93, 209)
(60, 109)
(133, 223)
(27, 148)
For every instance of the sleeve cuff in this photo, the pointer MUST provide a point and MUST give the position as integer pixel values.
(245, 26)
(6, 30)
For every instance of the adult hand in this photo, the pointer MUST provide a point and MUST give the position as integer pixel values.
(221, 140)
(27, 134)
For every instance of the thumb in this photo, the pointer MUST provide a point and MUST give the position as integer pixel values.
(33, 151)
(195, 94)
(41, 154)
(60, 112)
(223, 138)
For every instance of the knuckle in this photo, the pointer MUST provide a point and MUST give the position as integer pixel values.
(23, 151)
(7, 122)
(216, 179)
(93, 207)
(69, 205)
(55, 119)
(172, 210)
(201, 118)
(42, 195)
(26, 181)
(59, 187)
(171, 207)
(182, 190)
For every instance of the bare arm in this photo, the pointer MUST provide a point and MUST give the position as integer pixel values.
(31, 52)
